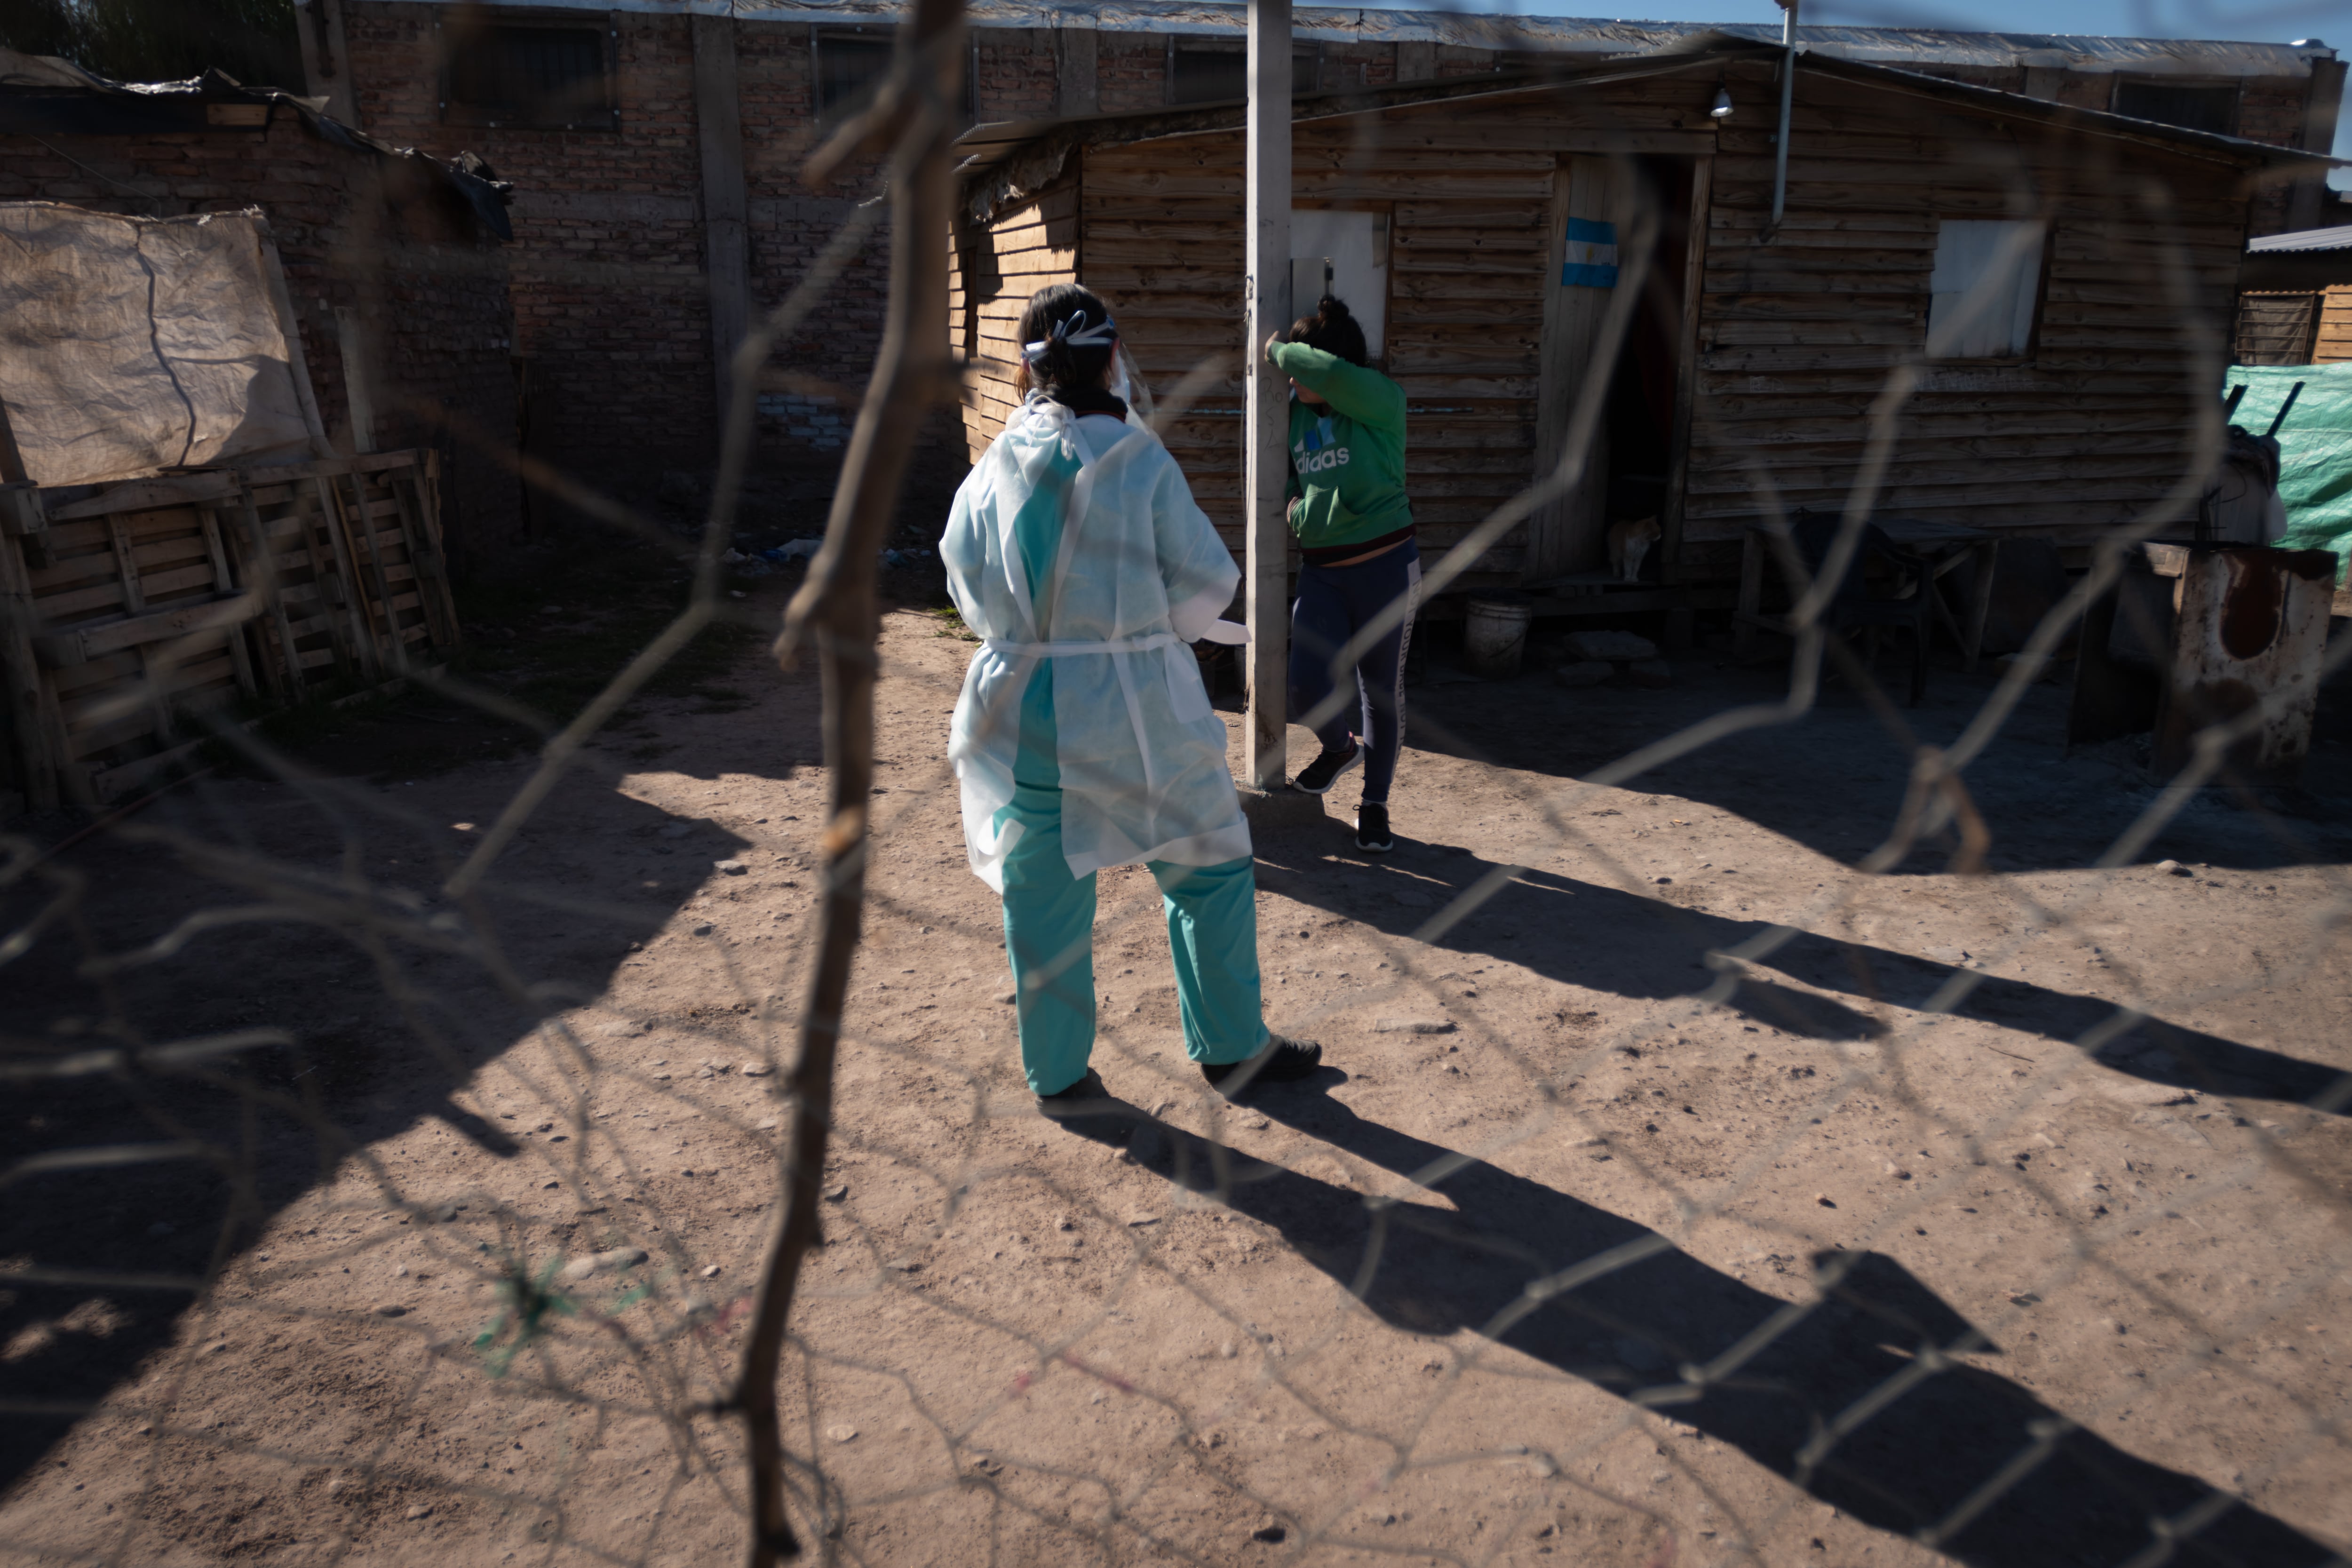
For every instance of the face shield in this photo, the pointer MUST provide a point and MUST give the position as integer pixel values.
(1127, 383)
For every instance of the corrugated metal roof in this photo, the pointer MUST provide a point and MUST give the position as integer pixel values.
(2339, 238)
(1549, 35)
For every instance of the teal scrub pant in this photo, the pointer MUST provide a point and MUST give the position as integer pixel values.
(1049, 917)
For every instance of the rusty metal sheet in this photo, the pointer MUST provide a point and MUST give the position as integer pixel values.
(2252, 626)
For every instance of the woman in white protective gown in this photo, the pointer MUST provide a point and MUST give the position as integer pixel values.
(1083, 737)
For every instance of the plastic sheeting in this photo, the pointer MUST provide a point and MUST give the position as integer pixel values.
(132, 344)
(2314, 448)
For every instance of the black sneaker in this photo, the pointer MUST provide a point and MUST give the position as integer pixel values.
(1086, 1097)
(1318, 776)
(1282, 1060)
(1372, 836)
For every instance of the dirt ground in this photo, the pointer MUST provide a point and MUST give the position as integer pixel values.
(1512, 1283)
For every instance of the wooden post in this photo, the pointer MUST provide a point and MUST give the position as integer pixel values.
(718, 130)
(358, 625)
(326, 66)
(358, 390)
(363, 532)
(263, 567)
(432, 584)
(834, 611)
(1694, 288)
(2323, 104)
(40, 746)
(1267, 418)
(1077, 83)
(273, 272)
(224, 586)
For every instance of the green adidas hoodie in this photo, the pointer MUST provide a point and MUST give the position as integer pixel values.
(1347, 461)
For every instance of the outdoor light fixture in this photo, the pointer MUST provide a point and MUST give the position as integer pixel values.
(1721, 108)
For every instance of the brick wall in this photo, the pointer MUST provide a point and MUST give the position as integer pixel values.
(610, 259)
(790, 225)
(354, 233)
(608, 253)
(1017, 78)
(1132, 71)
(2272, 110)
(1344, 66)
(1454, 60)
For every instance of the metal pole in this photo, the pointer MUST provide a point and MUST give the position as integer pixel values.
(1788, 91)
(1266, 415)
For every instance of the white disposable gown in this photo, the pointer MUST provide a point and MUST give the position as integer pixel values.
(1139, 573)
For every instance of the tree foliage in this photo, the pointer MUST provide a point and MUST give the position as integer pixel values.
(162, 40)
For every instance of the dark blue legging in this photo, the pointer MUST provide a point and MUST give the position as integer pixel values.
(1334, 603)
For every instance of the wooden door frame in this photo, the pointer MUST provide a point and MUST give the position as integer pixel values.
(1555, 538)
(1678, 439)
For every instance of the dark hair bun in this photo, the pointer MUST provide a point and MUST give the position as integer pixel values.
(1333, 329)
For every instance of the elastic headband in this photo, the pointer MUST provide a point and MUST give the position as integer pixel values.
(1074, 330)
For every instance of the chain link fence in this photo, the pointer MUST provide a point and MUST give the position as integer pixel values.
(1717, 1166)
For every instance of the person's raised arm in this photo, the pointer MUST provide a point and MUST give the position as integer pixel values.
(1360, 392)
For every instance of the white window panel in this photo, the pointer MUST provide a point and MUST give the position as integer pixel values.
(1356, 245)
(1986, 289)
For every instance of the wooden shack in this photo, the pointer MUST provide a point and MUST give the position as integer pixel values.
(2296, 307)
(2076, 270)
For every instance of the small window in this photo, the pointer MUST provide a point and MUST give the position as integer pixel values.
(1219, 76)
(847, 71)
(2191, 108)
(2276, 329)
(1986, 289)
(552, 78)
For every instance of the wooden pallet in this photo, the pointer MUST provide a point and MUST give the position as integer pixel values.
(127, 614)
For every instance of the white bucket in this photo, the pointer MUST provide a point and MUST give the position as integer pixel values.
(1496, 636)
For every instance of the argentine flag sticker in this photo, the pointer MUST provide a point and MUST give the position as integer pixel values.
(1592, 255)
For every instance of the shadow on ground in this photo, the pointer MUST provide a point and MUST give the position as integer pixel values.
(338, 935)
(1834, 780)
(1605, 939)
(1838, 1399)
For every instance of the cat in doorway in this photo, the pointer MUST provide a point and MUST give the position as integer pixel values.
(1629, 543)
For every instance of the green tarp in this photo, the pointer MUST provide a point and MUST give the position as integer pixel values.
(2314, 448)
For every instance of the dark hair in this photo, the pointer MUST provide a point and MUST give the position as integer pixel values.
(1332, 330)
(1062, 366)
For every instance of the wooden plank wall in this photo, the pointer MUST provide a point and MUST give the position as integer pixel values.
(1797, 333)
(1164, 244)
(1468, 188)
(992, 273)
(148, 603)
(2334, 344)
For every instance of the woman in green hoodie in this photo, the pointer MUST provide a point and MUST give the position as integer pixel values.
(1347, 507)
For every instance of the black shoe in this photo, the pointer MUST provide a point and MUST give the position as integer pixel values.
(1086, 1097)
(1319, 775)
(1282, 1060)
(1372, 836)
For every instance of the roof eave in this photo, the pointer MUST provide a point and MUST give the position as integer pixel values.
(1006, 138)
(2098, 121)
